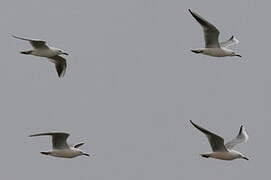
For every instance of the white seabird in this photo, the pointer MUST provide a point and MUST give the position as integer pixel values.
(212, 46)
(41, 49)
(60, 146)
(221, 151)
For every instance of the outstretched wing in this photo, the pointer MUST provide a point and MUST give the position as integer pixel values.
(60, 64)
(216, 142)
(59, 139)
(34, 43)
(241, 137)
(229, 42)
(211, 33)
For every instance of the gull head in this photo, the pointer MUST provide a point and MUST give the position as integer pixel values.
(234, 54)
(241, 156)
(237, 154)
(76, 146)
(59, 52)
(83, 153)
(231, 53)
(245, 158)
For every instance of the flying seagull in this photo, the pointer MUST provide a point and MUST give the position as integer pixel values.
(221, 151)
(212, 46)
(60, 146)
(41, 49)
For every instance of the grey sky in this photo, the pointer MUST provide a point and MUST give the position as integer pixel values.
(130, 88)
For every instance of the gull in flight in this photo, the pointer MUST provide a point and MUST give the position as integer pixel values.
(41, 49)
(212, 46)
(60, 146)
(221, 151)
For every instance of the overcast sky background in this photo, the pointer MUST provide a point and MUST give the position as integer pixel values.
(130, 88)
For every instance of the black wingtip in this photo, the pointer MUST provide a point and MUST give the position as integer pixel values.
(32, 135)
(14, 36)
(193, 123)
(78, 145)
(240, 131)
(60, 74)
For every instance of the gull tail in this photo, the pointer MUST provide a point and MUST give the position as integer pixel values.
(26, 52)
(45, 153)
(197, 51)
(205, 155)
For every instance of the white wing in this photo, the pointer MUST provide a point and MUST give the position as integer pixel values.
(58, 139)
(211, 33)
(34, 42)
(216, 142)
(229, 42)
(60, 64)
(241, 137)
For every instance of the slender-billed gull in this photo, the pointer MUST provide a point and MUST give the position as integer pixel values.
(60, 146)
(221, 151)
(41, 49)
(212, 46)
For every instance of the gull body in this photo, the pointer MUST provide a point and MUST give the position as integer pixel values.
(42, 50)
(212, 46)
(60, 146)
(225, 155)
(221, 151)
(65, 153)
(216, 52)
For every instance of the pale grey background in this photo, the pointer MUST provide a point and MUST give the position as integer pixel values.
(130, 88)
